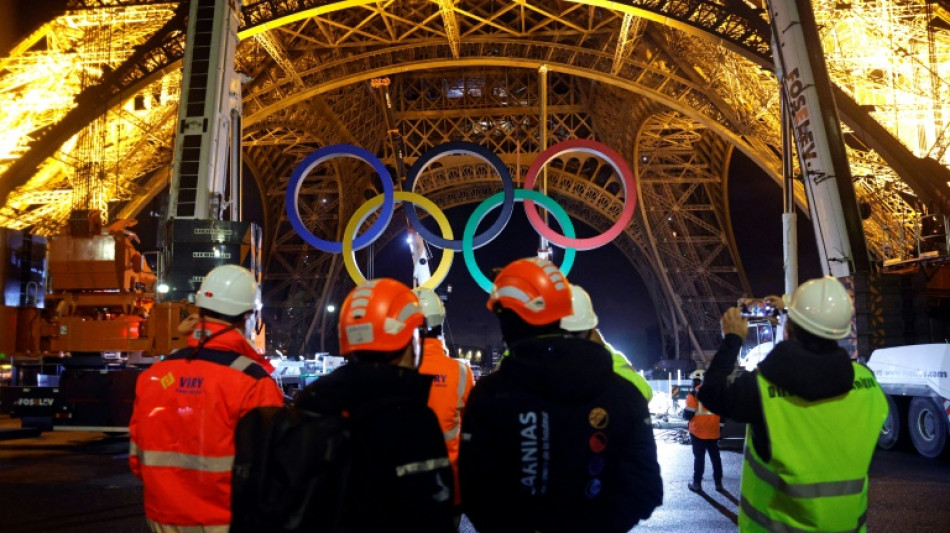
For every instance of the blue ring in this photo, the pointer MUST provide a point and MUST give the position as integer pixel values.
(303, 169)
(462, 147)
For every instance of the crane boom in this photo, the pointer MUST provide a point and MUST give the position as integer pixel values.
(822, 156)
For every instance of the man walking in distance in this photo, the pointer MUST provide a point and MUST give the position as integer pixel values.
(400, 478)
(187, 406)
(553, 440)
(703, 435)
(814, 416)
(452, 381)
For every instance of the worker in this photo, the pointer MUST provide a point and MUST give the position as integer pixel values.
(703, 435)
(187, 406)
(402, 478)
(553, 440)
(452, 381)
(814, 415)
(583, 323)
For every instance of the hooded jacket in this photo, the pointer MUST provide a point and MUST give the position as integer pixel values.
(401, 479)
(555, 441)
(811, 376)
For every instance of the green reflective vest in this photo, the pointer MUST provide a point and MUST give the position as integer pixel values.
(817, 479)
(624, 369)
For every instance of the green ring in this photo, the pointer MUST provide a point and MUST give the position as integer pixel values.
(468, 236)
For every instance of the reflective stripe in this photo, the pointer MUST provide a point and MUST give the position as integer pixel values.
(774, 526)
(453, 433)
(133, 448)
(242, 363)
(186, 460)
(422, 466)
(804, 490)
(407, 311)
(170, 528)
(511, 292)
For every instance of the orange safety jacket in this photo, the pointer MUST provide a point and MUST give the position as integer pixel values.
(705, 423)
(182, 430)
(452, 381)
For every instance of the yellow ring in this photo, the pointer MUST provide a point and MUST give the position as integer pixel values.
(360, 216)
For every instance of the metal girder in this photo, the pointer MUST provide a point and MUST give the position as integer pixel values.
(687, 225)
(706, 61)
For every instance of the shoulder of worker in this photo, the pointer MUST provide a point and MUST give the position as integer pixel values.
(355, 385)
(809, 375)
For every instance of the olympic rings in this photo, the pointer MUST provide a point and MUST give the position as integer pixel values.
(619, 165)
(469, 242)
(314, 159)
(361, 214)
(472, 149)
(468, 250)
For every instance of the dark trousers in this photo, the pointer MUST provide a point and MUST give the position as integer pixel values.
(700, 448)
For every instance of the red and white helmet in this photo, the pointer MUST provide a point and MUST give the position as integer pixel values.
(535, 289)
(379, 315)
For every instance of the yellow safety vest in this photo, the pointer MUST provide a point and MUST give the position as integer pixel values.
(817, 479)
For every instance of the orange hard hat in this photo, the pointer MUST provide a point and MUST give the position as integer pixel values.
(533, 288)
(379, 315)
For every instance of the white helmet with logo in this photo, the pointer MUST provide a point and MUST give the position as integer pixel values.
(431, 306)
(583, 318)
(229, 290)
(697, 374)
(822, 307)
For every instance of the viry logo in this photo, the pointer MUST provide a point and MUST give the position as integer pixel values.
(167, 380)
(190, 384)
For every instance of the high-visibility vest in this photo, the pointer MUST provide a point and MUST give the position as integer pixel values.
(452, 381)
(705, 423)
(817, 478)
(624, 369)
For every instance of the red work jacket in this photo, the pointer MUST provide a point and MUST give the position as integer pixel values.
(452, 381)
(182, 429)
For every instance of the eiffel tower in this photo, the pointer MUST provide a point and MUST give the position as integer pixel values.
(88, 105)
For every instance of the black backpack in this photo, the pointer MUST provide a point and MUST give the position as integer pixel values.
(291, 470)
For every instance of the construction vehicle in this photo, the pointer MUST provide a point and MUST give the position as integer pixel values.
(80, 320)
(83, 311)
(915, 379)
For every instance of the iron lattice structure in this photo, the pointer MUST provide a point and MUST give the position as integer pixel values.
(675, 87)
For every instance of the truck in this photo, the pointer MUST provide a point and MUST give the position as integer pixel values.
(915, 380)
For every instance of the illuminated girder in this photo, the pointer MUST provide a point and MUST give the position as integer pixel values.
(313, 92)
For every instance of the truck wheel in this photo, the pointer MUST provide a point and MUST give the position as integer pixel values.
(891, 432)
(928, 427)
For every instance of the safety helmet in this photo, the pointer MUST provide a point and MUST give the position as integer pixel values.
(535, 289)
(697, 374)
(379, 315)
(431, 305)
(229, 290)
(822, 307)
(583, 318)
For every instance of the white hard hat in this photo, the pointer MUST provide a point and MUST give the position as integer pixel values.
(229, 290)
(697, 374)
(431, 306)
(822, 307)
(583, 318)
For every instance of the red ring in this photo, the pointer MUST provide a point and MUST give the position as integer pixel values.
(619, 165)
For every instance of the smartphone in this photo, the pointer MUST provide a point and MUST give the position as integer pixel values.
(756, 308)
